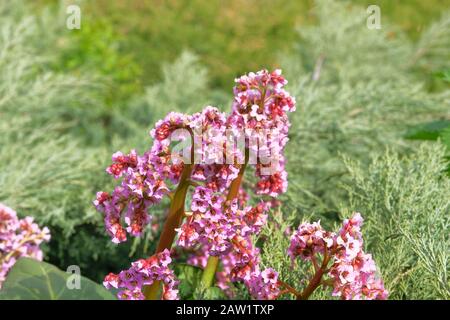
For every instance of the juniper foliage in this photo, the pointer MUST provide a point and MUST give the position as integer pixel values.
(357, 93)
(406, 202)
(46, 170)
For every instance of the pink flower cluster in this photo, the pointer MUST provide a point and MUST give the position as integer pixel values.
(216, 223)
(18, 238)
(141, 187)
(309, 240)
(242, 265)
(145, 179)
(264, 285)
(219, 227)
(206, 132)
(144, 272)
(353, 272)
(261, 104)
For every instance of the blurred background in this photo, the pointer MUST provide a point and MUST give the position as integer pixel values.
(368, 101)
(230, 37)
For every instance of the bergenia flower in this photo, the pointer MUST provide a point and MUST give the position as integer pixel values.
(145, 272)
(18, 238)
(220, 226)
(353, 272)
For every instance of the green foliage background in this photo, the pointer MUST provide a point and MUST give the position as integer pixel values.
(69, 99)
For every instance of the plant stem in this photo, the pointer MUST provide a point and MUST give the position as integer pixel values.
(313, 284)
(176, 214)
(209, 271)
(289, 289)
(152, 292)
(316, 280)
(234, 187)
(213, 262)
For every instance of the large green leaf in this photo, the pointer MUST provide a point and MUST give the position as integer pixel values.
(35, 280)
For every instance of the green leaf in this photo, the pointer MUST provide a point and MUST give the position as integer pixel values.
(444, 75)
(36, 280)
(446, 138)
(428, 131)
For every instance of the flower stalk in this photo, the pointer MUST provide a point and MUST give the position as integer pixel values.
(213, 262)
(209, 272)
(174, 219)
(316, 280)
